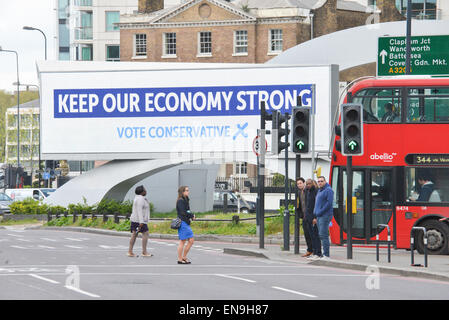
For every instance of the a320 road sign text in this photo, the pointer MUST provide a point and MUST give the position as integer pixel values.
(429, 55)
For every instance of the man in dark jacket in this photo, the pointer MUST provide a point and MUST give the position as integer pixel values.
(324, 213)
(310, 218)
(301, 206)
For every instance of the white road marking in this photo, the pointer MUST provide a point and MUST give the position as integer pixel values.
(18, 247)
(295, 292)
(45, 247)
(48, 239)
(74, 247)
(42, 278)
(235, 278)
(74, 239)
(24, 240)
(14, 235)
(113, 247)
(82, 292)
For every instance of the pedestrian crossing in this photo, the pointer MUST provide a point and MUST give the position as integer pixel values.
(20, 241)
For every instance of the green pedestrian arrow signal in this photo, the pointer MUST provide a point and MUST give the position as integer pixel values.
(300, 145)
(352, 145)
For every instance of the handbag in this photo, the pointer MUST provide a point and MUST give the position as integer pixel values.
(175, 223)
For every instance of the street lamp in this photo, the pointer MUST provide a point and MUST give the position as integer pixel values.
(18, 106)
(45, 38)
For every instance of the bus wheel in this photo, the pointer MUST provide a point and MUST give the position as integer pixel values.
(437, 238)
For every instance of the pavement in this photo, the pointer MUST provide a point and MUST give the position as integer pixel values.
(364, 257)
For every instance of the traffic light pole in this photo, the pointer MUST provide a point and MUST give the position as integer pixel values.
(349, 207)
(261, 179)
(286, 203)
(298, 174)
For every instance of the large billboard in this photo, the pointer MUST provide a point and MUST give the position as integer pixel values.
(102, 111)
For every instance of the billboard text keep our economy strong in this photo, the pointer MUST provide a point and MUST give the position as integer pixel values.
(177, 102)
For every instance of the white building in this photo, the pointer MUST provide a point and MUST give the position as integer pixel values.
(86, 30)
(28, 135)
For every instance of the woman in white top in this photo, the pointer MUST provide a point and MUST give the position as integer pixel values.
(139, 221)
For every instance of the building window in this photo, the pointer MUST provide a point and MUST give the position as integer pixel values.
(112, 53)
(140, 45)
(276, 42)
(169, 44)
(111, 18)
(241, 42)
(241, 168)
(205, 43)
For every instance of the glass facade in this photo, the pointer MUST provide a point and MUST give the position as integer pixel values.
(111, 18)
(63, 30)
(421, 9)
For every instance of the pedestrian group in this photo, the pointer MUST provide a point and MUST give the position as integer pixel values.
(315, 206)
(140, 217)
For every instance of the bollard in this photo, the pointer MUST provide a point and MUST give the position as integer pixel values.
(235, 219)
(105, 217)
(74, 216)
(388, 242)
(225, 203)
(412, 246)
(116, 219)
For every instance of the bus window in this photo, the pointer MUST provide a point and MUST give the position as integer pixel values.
(428, 105)
(380, 105)
(427, 184)
(335, 186)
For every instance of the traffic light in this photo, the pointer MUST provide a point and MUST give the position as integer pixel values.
(352, 129)
(300, 129)
(277, 132)
(338, 134)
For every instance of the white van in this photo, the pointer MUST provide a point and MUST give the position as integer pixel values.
(22, 194)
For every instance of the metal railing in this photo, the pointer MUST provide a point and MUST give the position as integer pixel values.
(117, 217)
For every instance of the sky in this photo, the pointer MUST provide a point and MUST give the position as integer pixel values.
(29, 45)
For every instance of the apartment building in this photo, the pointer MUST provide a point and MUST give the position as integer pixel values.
(87, 30)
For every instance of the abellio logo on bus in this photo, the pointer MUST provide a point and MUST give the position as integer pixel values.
(385, 157)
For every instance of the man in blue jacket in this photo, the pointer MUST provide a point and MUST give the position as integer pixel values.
(324, 213)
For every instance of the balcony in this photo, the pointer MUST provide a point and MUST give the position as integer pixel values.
(82, 3)
(83, 33)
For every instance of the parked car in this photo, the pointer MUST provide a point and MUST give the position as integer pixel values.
(22, 194)
(5, 202)
(233, 201)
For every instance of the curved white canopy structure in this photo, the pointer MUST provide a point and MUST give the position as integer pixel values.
(356, 46)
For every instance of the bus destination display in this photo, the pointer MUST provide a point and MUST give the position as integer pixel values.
(427, 159)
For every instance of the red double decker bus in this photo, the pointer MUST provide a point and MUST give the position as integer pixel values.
(402, 179)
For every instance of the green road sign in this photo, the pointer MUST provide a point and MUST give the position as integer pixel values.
(429, 55)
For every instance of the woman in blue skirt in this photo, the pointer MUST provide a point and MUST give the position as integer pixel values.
(185, 232)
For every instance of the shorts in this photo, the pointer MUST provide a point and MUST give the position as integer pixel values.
(135, 225)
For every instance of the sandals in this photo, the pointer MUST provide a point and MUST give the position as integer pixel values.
(184, 261)
(148, 255)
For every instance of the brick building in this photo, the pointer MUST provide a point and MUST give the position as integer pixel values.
(242, 31)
